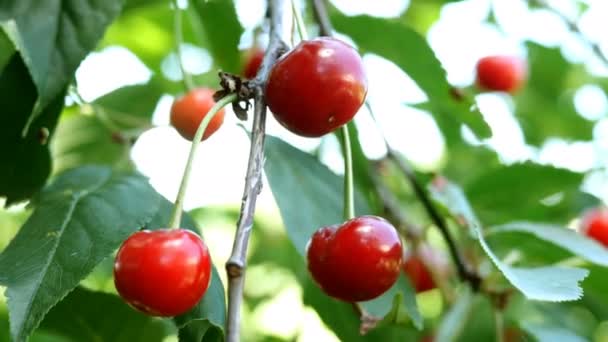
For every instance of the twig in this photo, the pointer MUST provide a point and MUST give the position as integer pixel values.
(573, 26)
(322, 18)
(235, 266)
(464, 271)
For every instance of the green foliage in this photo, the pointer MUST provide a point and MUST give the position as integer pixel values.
(52, 46)
(25, 154)
(507, 220)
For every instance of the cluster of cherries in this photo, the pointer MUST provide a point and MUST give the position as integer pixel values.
(312, 90)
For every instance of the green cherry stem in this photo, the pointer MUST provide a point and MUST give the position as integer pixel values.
(179, 39)
(299, 22)
(349, 196)
(176, 216)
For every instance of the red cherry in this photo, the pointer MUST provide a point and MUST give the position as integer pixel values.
(595, 225)
(188, 112)
(316, 87)
(501, 73)
(356, 261)
(419, 275)
(162, 272)
(253, 61)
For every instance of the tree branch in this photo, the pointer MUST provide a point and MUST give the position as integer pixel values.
(464, 271)
(235, 266)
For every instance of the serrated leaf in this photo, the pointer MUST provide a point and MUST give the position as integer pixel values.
(551, 283)
(454, 321)
(210, 312)
(223, 32)
(54, 36)
(26, 159)
(566, 238)
(79, 219)
(528, 191)
(551, 333)
(410, 51)
(78, 317)
(6, 50)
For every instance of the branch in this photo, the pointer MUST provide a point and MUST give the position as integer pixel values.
(235, 266)
(322, 18)
(573, 26)
(464, 271)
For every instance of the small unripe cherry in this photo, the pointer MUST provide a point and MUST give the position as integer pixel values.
(253, 60)
(316, 87)
(188, 112)
(162, 272)
(594, 224)
(501, 73)
(357, 260)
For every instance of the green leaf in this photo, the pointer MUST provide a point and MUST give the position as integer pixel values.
(544, 333)
(318, 201)
(528, 191)
(410, 51)
(6, 50)
(454, 321)
(79, 220)
(54, 36)
(131, 106)
(84, 139)
(223, 32)
(78, 317)
(545, 107)
(400, 300)
(568, 239)
(210, 312)
(26, 159)
(551, 283)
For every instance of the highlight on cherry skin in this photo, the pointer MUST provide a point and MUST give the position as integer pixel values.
(188, 112)
(162, 272)
(594, 224)
(357, 260)
(501, 73)
(316, 87)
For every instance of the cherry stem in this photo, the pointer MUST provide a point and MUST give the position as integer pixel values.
(500, 325)
(349, 195)
(176, 216)
(299, 22)
(179, 39)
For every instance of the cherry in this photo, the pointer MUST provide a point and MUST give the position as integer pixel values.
(253, 60)
(188, 112)
(163, 272)
(501, 73)
(419, 275)
(316, 87)
(356, 261)
(594, 224)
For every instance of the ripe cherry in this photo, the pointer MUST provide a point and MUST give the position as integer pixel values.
(419, 275)
(595, 225)
(162, 272)
(253, 60)
(317, 87)
(188, 112)
(416, 265)
(501, 73)
(356, 261)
